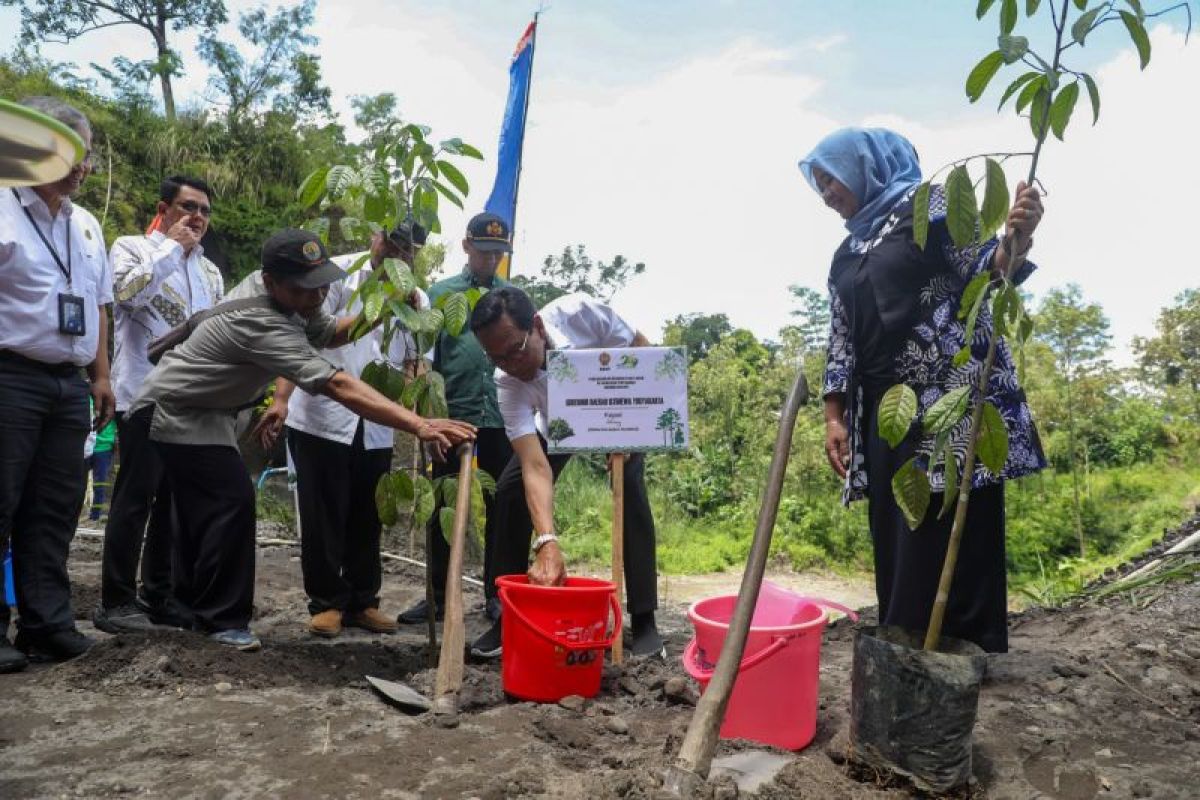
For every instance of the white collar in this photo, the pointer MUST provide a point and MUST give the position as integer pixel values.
(29, 197)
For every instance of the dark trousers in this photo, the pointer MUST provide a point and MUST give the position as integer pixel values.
(493, 451)
(101, 465)
(908, 563)
(43, 425)
(516, 528)
(141, 493)
(214, 553)
(339, 524)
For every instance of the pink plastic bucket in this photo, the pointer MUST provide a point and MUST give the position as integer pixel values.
(774, 698)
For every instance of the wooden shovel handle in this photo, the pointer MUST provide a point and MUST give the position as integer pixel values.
(450, 662)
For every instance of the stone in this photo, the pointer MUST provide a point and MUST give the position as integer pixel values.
(1104, 753)
(1055, 686)
(679, 690)
(573, 702)
(223, 686)
(1145, 647)
(616, 725)
(163, 664)
(1158, 674)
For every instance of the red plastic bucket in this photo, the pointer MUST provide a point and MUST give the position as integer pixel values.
(774, 698)
(554, 637)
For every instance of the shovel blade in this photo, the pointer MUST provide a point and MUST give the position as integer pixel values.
(403, 697)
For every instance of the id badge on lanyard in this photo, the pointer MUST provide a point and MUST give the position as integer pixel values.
(72, 321)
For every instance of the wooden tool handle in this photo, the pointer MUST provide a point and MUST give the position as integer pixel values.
(617, 464)
(450, 663)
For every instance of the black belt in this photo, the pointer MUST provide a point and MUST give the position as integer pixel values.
(61, 370)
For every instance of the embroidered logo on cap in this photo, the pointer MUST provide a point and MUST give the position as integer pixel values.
(495, 229)
(312, 251)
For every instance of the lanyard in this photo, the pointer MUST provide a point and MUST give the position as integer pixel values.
(65, 269)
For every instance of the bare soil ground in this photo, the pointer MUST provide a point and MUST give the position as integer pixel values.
(1094, 701)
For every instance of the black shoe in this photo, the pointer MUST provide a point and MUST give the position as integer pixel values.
(491, 609)
(419, 614)
(122, 619)
(644, 639)
(171, 613)
(11, 659)
(56, 646)
(487, 646)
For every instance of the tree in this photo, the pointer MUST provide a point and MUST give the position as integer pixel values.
(574, 271)
(1172, 358)
(1077, 333)
(64, 20)
(559, 429)
(374, 113)
(667, 422)
(813, 316)
(699, 333)
(281, 72)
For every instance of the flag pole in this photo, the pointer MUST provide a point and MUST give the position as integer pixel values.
(524, 126)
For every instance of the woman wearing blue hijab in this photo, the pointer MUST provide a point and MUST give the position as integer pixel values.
(894, 319)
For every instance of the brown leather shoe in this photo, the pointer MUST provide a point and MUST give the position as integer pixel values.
(373, 620)
(327, 623)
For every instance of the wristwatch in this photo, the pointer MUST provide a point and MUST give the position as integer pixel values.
(543, 539)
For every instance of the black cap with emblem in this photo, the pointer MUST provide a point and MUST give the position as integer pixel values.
(299, 257)
(408, 234)
(489, 233)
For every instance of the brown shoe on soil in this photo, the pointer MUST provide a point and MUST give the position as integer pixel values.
(373, 620)
(327, 623)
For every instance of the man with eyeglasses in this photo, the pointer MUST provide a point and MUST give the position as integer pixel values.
(471, 396)
(516, 337)
(161, 279)
(55, 282)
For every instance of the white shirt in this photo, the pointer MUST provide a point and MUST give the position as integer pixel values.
(324, 417)
(156, 289)
(31, 281)
(574, 321)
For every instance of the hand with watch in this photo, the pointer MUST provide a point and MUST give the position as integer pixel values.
(548, 568)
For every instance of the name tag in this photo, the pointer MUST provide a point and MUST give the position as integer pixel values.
(71, 319)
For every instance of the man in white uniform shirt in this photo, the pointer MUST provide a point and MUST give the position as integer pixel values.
(54, 284)
(516, 339)
(160, 279)
(339, 458)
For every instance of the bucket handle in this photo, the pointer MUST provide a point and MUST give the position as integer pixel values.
(699, 673)
(821, 601)
(604, 645)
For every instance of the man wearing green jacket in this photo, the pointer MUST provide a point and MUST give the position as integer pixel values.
(471, 395)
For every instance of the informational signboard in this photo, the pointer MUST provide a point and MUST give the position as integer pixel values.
(617, 400)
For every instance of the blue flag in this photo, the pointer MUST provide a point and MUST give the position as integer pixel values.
(503, 200)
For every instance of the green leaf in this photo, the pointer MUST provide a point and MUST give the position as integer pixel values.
(400, 275)
(1060, 110)
(1081, 4)
(982, 74)
(921, 215)
(1037, 113)
(910, 486)
(1012, 48)
(950, 493)
(350, 228)
(1014, 86)
(446, 518)
(448, 490)
(318, 226)
(1093, 95)
(1137, 32)
(385, 501)
(423, 500)
(469, 151)
(995, 199)
(373, 305)
(1027, 94)
(1136, 5)
(1031, 7)
(373, 375)
(478, 508)
(897, 410)
(451, 173)
(485, 481)
(962, 216)
(340, 178)
(394, 384)
(1024, 329)
(948, 410)
(313, 188)
(429, 320)
(473, 294)
(983, 7)
(375, 179)
(993, 439)
(414, 391)
(448, 193)
(456, 309)
(1083, 25)
(377, 208)
(1008, 16)
(973, 314)
(1004, 308)
(436, 396)
(962, 356)
(970, 296)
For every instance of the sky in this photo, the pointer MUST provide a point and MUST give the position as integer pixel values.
(669, 132)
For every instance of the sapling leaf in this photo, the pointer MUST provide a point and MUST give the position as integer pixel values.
(950, 493)
(403, 488)
(1037, 113)
(478, 515)
(423, 503)
(970, 296)
(394, 382)
(947, 411)
(962, 215)
(414, 391)
(921, 215)
(485, 481)
(1008, 16)
(993, 439)
(313, 188)
(449, 493)
(1060, 110)
(385, 502)
(456, 309)
(446, 518)
(1031, 7)
(1136, 5)
(962, 356)
(1012, 48)
(373, 305)
(1083, 25)
(983, 7)
(897, 410)
(982, 74)
(973, 316)
(1014, 86)
(1137, 32)
(473, 294)
(400, 275)
(456, 178)
(1093, 95)
(1027, 94)
(910, 487)
(995, 199)
(339, 179)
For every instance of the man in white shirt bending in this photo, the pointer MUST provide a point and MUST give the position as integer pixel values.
(160, 280)
(516, 338)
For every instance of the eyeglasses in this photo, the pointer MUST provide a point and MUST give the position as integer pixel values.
(192, 207)
(511, 355)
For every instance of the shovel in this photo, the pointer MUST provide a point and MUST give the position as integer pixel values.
(450, 662)
(684, 777)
